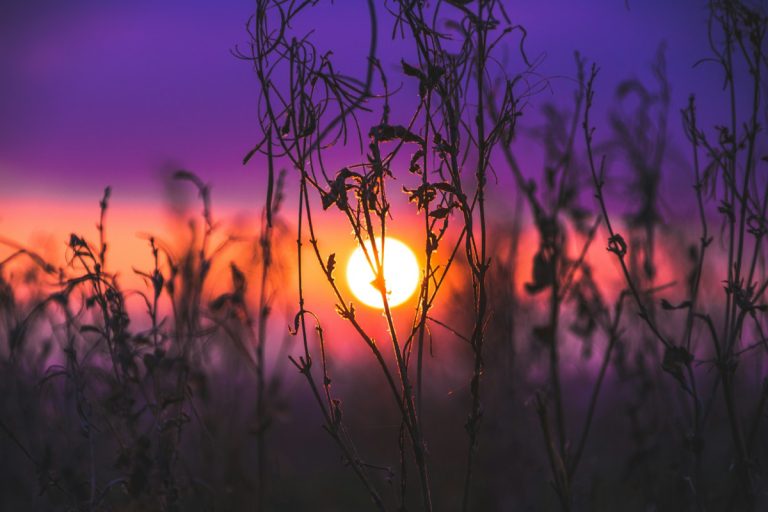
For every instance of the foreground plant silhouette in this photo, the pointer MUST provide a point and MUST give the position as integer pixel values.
(132, 393)
(743, 206)
(523, 377)
(307, 105)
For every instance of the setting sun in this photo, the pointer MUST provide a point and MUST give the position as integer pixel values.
(401, 274)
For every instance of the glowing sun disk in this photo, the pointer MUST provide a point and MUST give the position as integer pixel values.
(401, 273)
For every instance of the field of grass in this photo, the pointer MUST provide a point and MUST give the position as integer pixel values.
(569, 346)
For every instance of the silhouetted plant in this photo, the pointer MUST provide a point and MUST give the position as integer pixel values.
(742, 30)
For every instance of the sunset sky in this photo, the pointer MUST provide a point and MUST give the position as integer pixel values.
(97, 93)
(120, 93)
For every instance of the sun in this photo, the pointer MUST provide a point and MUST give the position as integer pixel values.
(401, 273)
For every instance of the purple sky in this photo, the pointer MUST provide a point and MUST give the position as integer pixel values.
(113, 92)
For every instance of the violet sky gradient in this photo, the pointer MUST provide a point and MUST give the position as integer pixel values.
(96, 93)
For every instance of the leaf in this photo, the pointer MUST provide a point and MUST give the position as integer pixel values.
(239, 282)
(617, 245)
(76, 241)
(327, 199)
(543, 272)
(252, 152)
(422, 196)
(726, 209)
(295, 329)
(432, 242)
(331, 264)
(183, 175)
(434, 74)
(445, 187)
(157, 282)
(90, 328)
(386, 132)
(675, 360)
(632, 86)
(309, 127)
(415, 167)
(338, 193)
(441, 213)
(412, 70)
(665, 304)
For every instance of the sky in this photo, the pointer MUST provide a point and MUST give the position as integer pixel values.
(113, 92)
(119, 93)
